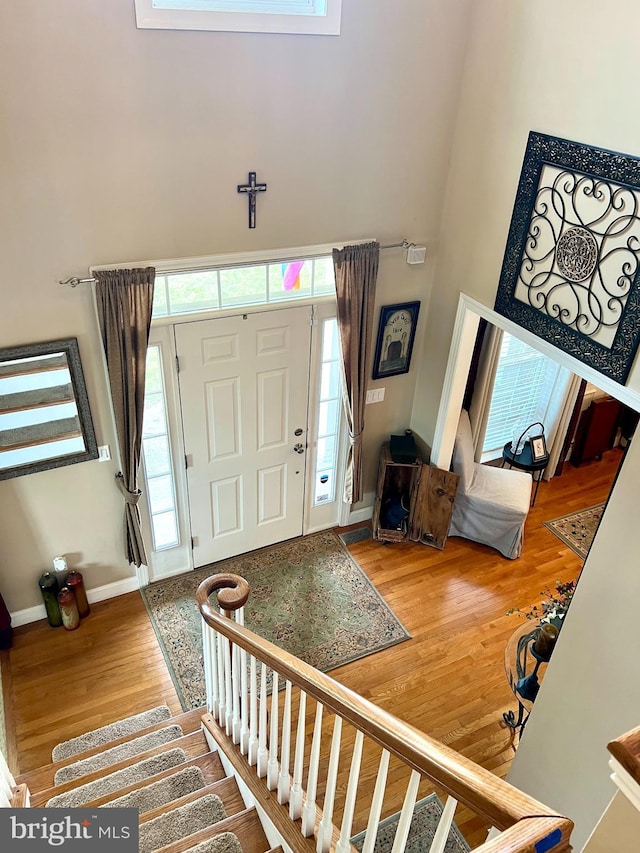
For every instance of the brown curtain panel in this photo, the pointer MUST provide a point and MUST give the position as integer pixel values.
(124, 301)
(356, 269)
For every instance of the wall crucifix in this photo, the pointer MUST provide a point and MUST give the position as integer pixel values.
(252, 189)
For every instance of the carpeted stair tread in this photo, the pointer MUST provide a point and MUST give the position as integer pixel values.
(163, 791)
(181, 822)
(245, 825)
(117, 753)
(227, 789)
(192, 745)
(226, 842)
(42, 778)
(121, 778)
(104, 734)
(210, 765)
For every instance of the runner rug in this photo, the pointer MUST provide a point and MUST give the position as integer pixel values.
(578, 528)
(426, 815)
(308, 596)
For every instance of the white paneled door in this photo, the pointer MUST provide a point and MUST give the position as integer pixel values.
(243, 392)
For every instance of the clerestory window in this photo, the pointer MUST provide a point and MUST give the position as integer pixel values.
(310, 17)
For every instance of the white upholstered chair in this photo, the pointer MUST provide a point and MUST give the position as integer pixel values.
(491, 504)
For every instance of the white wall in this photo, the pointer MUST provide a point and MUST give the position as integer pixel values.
(122, 145)
(568, 69)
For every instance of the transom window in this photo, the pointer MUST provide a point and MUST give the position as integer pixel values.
(311, 17)
(232, 287)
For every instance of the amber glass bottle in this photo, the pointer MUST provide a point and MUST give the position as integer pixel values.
(68, 609)
(76, 583)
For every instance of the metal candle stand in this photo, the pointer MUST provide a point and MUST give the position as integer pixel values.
(527, 684)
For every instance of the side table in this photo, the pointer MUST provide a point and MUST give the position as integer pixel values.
(524, 461)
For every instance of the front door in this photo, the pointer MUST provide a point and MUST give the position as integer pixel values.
(243, 393)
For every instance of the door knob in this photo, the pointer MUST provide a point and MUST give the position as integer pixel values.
(299, 448)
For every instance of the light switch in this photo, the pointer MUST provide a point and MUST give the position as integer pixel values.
(104, 453)
(375, 395)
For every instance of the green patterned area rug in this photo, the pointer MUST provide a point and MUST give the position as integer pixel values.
(308, 596)
(426, 814)
(578, 528)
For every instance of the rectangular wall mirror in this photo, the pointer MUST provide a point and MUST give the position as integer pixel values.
(45, 420)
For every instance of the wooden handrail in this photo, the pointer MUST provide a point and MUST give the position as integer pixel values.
(532, 835)
(495, 800)
(626, 750)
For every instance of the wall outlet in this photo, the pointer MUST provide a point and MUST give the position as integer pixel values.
(375, 395)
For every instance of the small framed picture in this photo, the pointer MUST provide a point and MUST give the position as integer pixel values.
(538, 448)
(396, 332)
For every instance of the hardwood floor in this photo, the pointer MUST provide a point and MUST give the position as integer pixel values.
(448, 680)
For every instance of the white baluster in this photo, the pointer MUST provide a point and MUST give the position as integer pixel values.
(210, 667)
(5, 773)
(6, 790)
(244, 694)
(326, 824)
(309, 809)
(7, 783)
(228, 717)
(263, 755)
(404, 823)
(253, 713)
(295, 801)
(284, 777)
(272, 768)
(444, 825)
(376, 804)
(235, 686)
(343, 845)
(222, 698)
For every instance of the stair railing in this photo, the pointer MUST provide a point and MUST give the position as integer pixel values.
(618, 828)
(285, 757)
(625, 765)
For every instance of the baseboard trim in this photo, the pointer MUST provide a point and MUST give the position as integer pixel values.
(100, 593)
(358, 515)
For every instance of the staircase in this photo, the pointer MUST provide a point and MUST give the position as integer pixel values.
(262, 768)
(214, 809)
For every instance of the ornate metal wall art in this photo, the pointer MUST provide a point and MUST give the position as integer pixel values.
(571, 269)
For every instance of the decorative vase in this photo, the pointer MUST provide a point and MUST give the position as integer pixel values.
(76, 583)
(48, 584)
(68, 609)
(544, 643)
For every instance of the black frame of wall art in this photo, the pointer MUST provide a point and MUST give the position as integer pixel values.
(571, 268)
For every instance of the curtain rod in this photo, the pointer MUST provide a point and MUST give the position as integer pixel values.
(74, 281)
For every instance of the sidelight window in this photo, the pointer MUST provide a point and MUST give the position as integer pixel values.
(156, 447)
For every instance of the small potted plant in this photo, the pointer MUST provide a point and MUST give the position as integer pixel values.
(554, 605)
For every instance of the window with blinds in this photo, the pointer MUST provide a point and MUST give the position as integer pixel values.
(522, 393)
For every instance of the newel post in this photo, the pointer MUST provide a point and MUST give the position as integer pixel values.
(224, 663)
